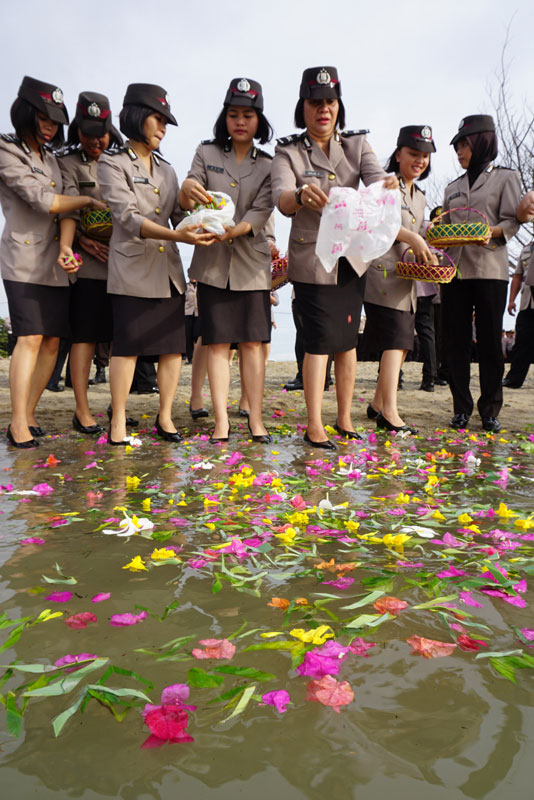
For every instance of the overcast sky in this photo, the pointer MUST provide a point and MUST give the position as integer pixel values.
(399, 62)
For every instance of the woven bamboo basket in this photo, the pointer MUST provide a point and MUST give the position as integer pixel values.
(458, 234)
(430, 273)
(97, 223)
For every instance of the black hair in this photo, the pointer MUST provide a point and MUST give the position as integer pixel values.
(264, 133)
(299, 114)
(74, 138)
(24, 120)
(132, 120)
(393, 165)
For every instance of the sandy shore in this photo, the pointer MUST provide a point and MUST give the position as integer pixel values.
(424, 410)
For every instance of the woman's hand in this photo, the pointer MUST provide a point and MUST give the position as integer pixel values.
(194, 192)
(96, 205)
(391, 182)
(525, 209)
(96, 249)
(190, 235)
(67, 261)
(421, 250)
(313, 197)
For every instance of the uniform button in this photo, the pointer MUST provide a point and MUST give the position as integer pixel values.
(301, 238)
(27, 241)
(56, 238)
(156, 191)
(56, 219)
(413, 220)
(158, 210)
(161, 248)
(53, 183)
(493, 246)
(331, 177)
(230, 241)
(233, 184)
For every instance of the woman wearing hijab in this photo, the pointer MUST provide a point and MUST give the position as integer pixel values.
(482, 283)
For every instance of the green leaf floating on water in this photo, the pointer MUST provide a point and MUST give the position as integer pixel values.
(242, 703)
(61, 579)
(67, 683)
(200, 679)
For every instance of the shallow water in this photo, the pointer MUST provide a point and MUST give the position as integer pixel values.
(419, 727)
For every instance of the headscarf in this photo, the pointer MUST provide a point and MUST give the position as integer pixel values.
(484, 149)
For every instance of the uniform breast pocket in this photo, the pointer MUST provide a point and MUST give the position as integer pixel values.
(131, 249)
(303, 237)
(262, 247)
(27, 239)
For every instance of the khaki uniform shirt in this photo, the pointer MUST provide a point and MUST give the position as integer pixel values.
(244, 263)
(525, 268)
(30, 241)
(298, 160)
(496, 192)
(140, 267)
(383, 286)
(78, 171)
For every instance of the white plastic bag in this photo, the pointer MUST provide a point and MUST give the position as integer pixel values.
(212, 218)
(359, 223)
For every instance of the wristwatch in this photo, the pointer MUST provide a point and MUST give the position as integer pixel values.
(298, 193)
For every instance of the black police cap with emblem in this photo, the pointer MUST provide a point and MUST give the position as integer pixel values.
(45, 97)
(319, 82)
(476, 123)
(93, 114)
(244, 92)
(417, 136)
(150, 95)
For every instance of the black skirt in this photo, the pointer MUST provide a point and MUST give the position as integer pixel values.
(389, 328)
(38, 310)
(91, 315)
(330, 315)
(148, 326)
(228, 316)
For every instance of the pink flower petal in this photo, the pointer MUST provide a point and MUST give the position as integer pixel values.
(81, 620)
(122, 620)
(59, 597)
(330, 692)
(215, 648)
(98, 598)
(279, 699)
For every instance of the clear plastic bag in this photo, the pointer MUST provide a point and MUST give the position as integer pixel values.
(359, 223)
(214, 217)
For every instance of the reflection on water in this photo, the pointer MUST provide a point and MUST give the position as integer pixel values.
(419, 728)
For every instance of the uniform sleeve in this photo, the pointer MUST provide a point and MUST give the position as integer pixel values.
(118, 195)
(18, 176)
(282, 176)
(261, 208)
(510, 197)
(177, 214)
(522, 261)
(269, 229)
(70, 186)
(198, 170)
(370, 169)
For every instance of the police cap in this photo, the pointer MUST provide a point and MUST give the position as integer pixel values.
(151, 96)
(45, 97)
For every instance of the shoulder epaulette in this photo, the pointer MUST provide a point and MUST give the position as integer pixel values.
(456, 179)
(115, 149)
(285, 140)
(208, 141)
(158, 157)
(12, 138)
(419, 189)
(67, 150)
(264, 154)
(500, 166)
(361, 132)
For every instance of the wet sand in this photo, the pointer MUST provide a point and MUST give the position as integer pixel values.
(427, 411)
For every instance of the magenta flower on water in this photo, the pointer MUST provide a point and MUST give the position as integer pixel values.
(467, 598)
(43, 489)
(98, 598)
(32, 540)
(215, 648)
(279, 699)
(175, 695)
(81, 620)
(166, 723)
(123, 620)
(59, 597)
(325, 660)
(69, 659)
(341, 583)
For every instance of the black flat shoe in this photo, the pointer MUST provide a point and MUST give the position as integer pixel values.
(262, 438)
(243, 412)
(491, 424)
(459, 421)
(122, 443)
(426, 386)
(130, 421)
(372, 413)
(326, 445)
(197, 413)
(382, 422)
(168, 436)
(89, 430)
(215, 439)
(347, 434)
(29, 444)
(36, 431)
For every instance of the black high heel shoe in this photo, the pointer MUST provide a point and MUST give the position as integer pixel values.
(29, 444)
(197, 413)
(36, 431)
(130, 421)
(347, 434)
(215, 439)
(372, 413)
(262, 438)
(89, 430)
(382, 422)
(326, 445)
(122, 443)
(168, 436)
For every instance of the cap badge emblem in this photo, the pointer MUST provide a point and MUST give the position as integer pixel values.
(461, 125)
(93, 110)
(323, 77)
(57, 96)
(243, 85)
(166, 98)
(426, 133)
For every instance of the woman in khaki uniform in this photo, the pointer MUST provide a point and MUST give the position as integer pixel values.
(390, 301)
(234, 277)
(483, 285)
(91, 320)
(306, 166)
(37, 288)
(145, 274)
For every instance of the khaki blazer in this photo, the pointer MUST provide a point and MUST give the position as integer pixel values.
(298, 160)
(78, 171)
(140, 267)
(525, 268)
(244, 263)
(30, 241)
(383, 286)
(496, 192)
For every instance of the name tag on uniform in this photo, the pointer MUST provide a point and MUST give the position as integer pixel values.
(87, 183)
(139, 179)
(405, 208)
(454, 196)
(313, 173)
(36, 169)
(213, 168)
